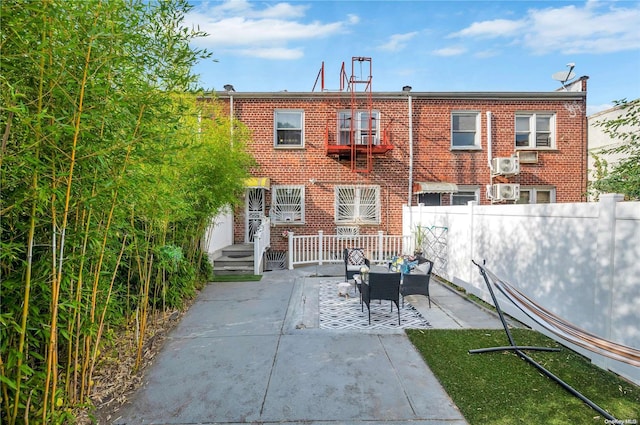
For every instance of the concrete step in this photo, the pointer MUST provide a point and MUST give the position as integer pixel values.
(234, 259)
(238, 250)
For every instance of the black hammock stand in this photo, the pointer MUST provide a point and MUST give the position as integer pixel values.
(518, 349)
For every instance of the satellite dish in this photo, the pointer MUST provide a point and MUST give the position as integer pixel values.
(564, 76)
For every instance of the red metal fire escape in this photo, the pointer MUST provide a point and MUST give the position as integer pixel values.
(364, 141)
(359, 164)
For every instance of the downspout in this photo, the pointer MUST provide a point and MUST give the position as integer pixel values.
(489, 156)
(231, 115)
(410, 107)
(410, 150)
(489, 138)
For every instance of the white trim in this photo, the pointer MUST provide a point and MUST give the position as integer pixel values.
(275, 129)
(477, 144)
(533, 131)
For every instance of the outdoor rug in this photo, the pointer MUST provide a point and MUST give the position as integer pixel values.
(346, 313)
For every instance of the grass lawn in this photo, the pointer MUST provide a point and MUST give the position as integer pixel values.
(502, 388)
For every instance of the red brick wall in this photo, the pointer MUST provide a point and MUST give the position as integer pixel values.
(564, 167)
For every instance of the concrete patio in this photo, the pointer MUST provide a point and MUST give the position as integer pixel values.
(253, 352)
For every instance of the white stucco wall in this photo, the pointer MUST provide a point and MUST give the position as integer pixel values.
(220, 233)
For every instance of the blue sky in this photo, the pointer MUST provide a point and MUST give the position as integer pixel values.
(433, 46)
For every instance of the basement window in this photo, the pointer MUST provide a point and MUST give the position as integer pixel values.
(289, 129)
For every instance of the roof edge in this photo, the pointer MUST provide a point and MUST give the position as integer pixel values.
(401, 95)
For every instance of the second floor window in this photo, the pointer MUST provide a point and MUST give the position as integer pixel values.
(287, 204)
(535, 130)
(465, 130)
(289, 129)
(361, 130)
(357, 204)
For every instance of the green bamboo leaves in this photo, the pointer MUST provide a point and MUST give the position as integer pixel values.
(110, 173)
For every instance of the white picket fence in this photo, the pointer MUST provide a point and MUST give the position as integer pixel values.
(321, 248)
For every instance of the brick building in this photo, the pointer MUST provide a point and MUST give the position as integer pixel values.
(346, 161)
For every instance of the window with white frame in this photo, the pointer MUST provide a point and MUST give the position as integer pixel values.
(362, 132)
(289, 128)
(537, 195)
(287, 204)
(357, 204)
(465, 130)
(465, 194)
(535, 130)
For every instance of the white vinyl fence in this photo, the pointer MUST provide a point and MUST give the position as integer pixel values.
(581, 261)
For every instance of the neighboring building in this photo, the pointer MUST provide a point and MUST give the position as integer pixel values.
(346, 161)
(599, 140)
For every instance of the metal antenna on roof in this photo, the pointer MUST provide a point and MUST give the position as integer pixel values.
(564, 76)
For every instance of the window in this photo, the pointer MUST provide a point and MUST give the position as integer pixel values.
(289, 129)
(357, 204)
(534, 130)
(361, 129)
(465, 195)
(429, 199)
(537, 195)
(465, 130)
(287, 204)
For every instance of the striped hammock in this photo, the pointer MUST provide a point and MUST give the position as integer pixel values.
(563, 329)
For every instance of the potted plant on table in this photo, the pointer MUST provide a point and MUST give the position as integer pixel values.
(420, 237)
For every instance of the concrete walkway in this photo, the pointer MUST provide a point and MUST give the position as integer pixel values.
(253, 352)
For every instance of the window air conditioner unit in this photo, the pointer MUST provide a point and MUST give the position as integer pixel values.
(528, 157)
(364, 140)
(505, 166)
(287, 216)
(503, 192)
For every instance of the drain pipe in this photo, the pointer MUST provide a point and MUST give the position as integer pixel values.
(489, 138)
(231, 115)
(407, 89)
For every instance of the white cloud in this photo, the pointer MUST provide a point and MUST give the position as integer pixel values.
(398, 41)
(583, 30)
(491, 29)
(593, 28)
(237, 26)
(274, 53)
(449, 51)
(245, 8)
(484, 54)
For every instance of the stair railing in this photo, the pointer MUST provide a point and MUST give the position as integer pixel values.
(261, 242)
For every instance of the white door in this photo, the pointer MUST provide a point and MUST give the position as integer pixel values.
(253, 213)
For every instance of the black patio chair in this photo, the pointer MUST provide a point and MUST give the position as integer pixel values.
(354, 259)
(417, 283)
(381, 286)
